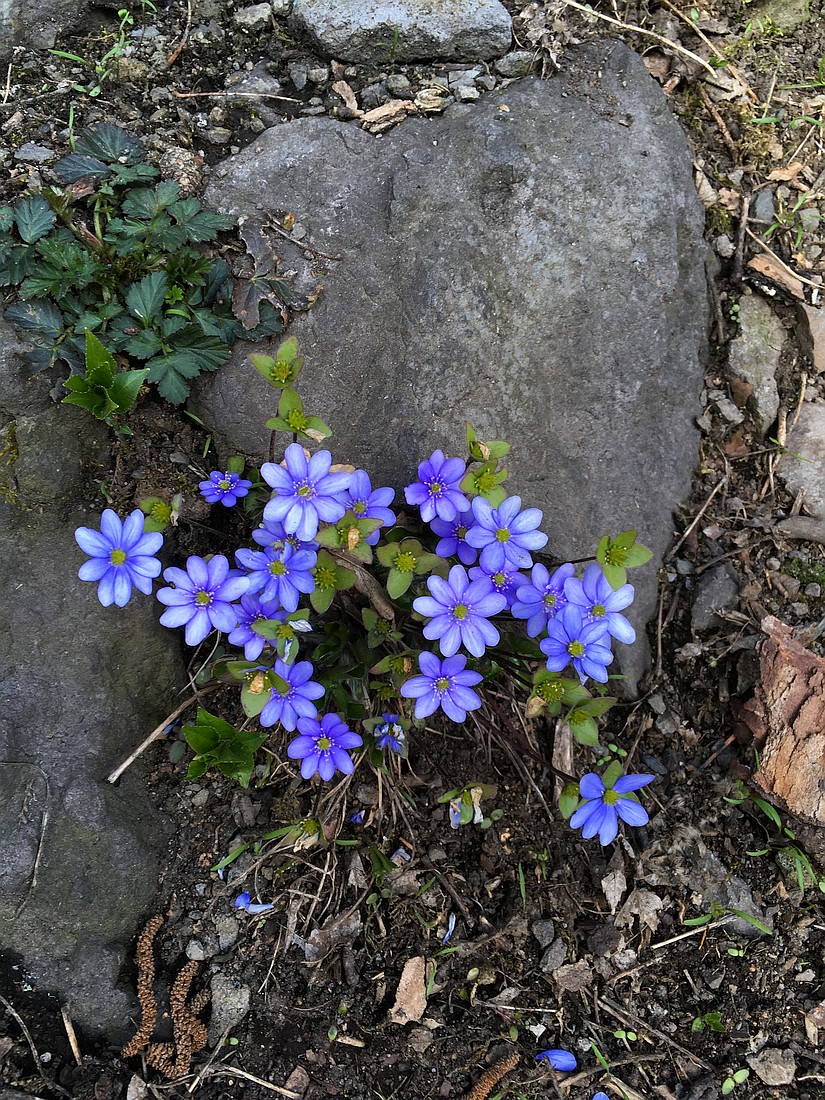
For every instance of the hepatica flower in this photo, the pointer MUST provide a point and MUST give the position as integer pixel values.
(296, 701)
(322, 746)
(458, 610)
(390, 735)
(505, 534)
(368, 503)
(542, 598)
(243, 901)
(271, 533)
(600, 603)
(602, 807)
(252, 610)
(121, 556)
(570, 638)
(561, 1060)
(453, 537)
(437, 490)
(280, 575)
(202, 597)
(306, 493)
(227, 488)
(447, 684)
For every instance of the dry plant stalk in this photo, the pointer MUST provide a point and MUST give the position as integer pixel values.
(146, 980)
(491, 1077)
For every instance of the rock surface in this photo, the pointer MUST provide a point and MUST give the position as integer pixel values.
(80, 685)
(773, 1066)
(754, 357)
(38, 25)
(802, 466)
(717, 590)
(409, 30)
(532, 263)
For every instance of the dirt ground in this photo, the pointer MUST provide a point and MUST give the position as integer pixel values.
(556, 943)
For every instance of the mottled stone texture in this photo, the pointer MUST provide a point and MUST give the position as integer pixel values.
(383, 31)
(80, 685)
(532, 263)
(38, 25)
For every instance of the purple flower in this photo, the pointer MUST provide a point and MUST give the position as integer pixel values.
(368, 503)
(306, 493)
(561, 1060)
(453, 537)
(601, 809)
(202, 597)
(446, 684)
(272, 534)
(242, 902)
(296, 702)
(122, 556)
(505, 534)
(322, 746)
(600, 603)
(253, 610)
(600, 1096)
(390, 735)
(505, 581)
(543, 598)
(437, 490)
(226, 488)
(458, 609)
(280, 575)
(570, 638)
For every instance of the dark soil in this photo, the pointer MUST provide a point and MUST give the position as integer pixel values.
(617, 977)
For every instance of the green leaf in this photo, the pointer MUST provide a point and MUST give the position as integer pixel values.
(94, 399)
(109, 143)
(197, 768)
(638, 555)
(124, 174)
(611, 773)
(321, 598)
(615, 575)
(100, 363)
(568, 800)
(37, 317)
(201, 739)
(596, 707)
(75, 167)
(749, 918)
(125, 388)
(33, 217)
(585, 732)
(199, 224)
(697, 922)
(145, 299)
(145, 203)
(144, 345)
(398, 583)
(6, 218)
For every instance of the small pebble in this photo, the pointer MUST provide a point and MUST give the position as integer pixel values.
(813, 590)
(799, 609)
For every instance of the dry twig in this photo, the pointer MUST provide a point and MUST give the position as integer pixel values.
(491, 1077)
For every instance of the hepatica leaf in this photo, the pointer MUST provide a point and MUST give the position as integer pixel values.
(109, 143)
(33, 217)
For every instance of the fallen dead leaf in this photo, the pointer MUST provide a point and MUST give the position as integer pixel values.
(614, 886)
(298, 1081)
(411, 995)
(789, 173)
(341, 88)
(770, 269)
(643, 904)
(382, 118)
(735, 446)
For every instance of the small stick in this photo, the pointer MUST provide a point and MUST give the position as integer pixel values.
(699, 514)
(7, 91)
(720, 122)
(739, 259)
(623, 1016)
(156, 733)
(641, 30)
(227, 94)
(693, 932)
(175, 54)
(782, 264)
(307, 247)
(205, 1069)
(230, 1071)
(67, 1023)
(12, 1011)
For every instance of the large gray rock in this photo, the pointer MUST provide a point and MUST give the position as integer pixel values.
(802, 465)
(532, 263)
(408, 30)
(80, 685)
(38, 25)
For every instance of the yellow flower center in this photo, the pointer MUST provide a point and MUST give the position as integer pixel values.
(576, 649)
(461, 611)
(610, 798)
(296, 420)
(442, 684)
(203, 599)
(117, 557)
(277, 568)
(502, 534)
(598, 611)
(404, 562)
(324, 744)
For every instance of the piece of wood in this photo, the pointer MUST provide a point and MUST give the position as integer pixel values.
(789, 711)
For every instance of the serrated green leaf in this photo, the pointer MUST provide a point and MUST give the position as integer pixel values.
(145, 203)
(33, 217)
(125, 388)
(6, 218)
(199, 224)
(37, 316)
(145, 298)
(124, 174)
(94, 399)
(201, 739)
(75, 167)
(100, 363)
(144, 345)
(109, 143)
(197, 768)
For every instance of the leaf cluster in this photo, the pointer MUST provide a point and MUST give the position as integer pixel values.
(218, 744)
(103, 391)
(117, 252)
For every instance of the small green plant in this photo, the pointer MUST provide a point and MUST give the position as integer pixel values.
(716, 911)
(109, 62)
(465, 806)
(102, 390)
(737, 1078)
(116, 253)
(710, 1020)
(787, 222)
(218, 744)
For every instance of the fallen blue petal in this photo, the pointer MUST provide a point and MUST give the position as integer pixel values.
(561, 1060)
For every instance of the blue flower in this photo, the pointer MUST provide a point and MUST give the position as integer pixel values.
(505, 534)
(561, 1060)
(453, 537)
(271, 533)
(437, 491)
(601, 809)
(368, 503)
(226, 488)
(280, 575)
(505, 581)
(570, 638)
(242, 902)
(295, 702)
(322, 746)
(202, 597)
(600, 603)
(253, 610)
(600, 1096)
(458, 610)
(446, 684)
(122, 556)
(390, 735)
(306, 493)
(543, 598)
